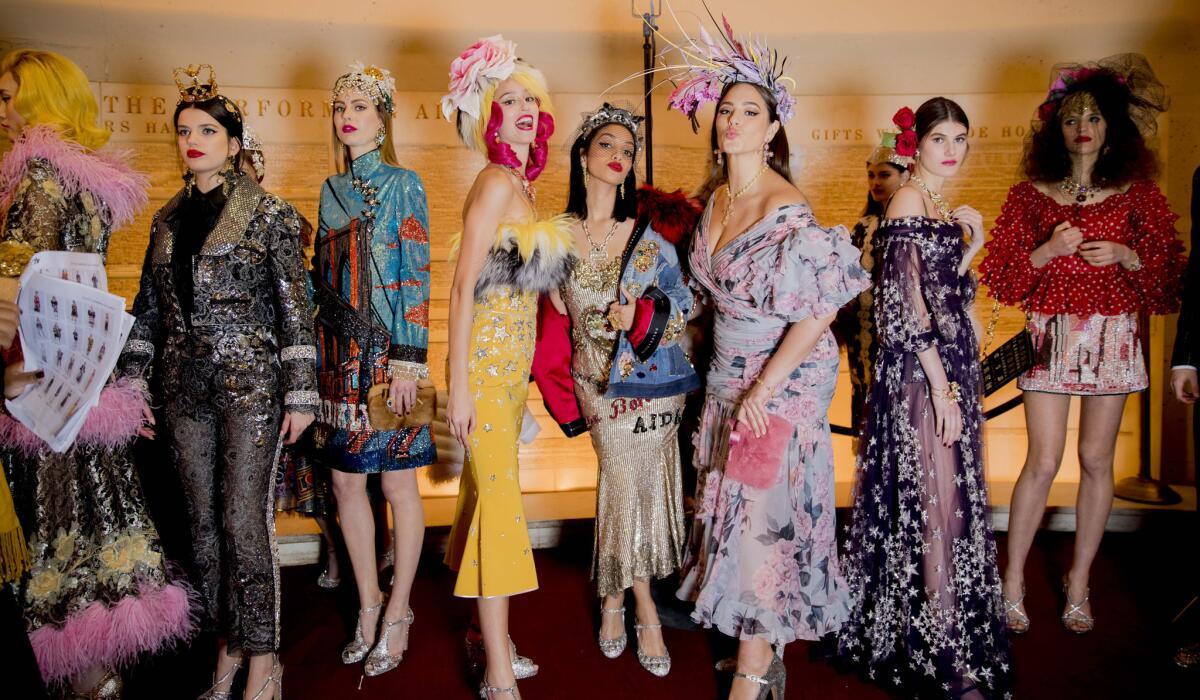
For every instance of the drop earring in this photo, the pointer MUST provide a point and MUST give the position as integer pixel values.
(586, 178)
(621, 191)
(720, 157)
(917, 154)
(767, 153)
(380, 136)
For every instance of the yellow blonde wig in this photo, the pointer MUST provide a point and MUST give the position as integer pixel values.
(52, 90)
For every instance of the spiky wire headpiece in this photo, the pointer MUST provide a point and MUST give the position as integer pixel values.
(709, 65)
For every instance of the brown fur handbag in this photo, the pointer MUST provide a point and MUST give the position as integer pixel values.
(383, 418)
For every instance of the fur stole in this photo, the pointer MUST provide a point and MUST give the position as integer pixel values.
(119, 190)
(535, 256)
(673, 215)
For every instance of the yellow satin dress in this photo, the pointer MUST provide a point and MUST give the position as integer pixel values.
(489, 541)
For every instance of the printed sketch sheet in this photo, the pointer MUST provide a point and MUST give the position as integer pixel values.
(73, 330)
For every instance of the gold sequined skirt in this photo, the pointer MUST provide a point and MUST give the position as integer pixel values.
(639, 505)
(1085, 355)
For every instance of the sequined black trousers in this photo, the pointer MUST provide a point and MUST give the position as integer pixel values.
(223, 418)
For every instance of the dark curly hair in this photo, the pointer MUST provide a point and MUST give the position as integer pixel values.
(1129, 98)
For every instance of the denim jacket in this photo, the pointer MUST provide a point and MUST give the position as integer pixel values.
(648, 361)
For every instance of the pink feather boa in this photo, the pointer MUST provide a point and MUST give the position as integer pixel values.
(119, 190)
(111, 423)
(116, 636)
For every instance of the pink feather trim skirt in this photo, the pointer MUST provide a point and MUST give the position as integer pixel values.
(99, 592)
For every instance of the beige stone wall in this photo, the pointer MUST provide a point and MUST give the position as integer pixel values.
(854, 65)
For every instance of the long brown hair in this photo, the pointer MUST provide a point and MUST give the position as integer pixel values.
(780, 155)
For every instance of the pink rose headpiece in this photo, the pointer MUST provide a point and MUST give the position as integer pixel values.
(1127, 77)
(485, 63)
(706, 66)
(474, 76)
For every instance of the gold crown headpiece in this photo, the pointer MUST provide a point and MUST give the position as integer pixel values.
(196, 83)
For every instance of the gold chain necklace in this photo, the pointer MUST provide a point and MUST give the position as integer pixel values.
(733, 196)
(526, 186)
(599, 251)
(939, 202)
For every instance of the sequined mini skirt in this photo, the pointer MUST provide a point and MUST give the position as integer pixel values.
(1085, 355)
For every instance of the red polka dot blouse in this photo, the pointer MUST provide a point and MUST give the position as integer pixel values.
(1139, 218)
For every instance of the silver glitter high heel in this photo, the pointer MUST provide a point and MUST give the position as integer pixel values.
(612, 648)
(380, 661)
(773, 683)
(275, 679)
(522, 666)
(212, 693)
(658, 665)
(357, 649)
(487, 692)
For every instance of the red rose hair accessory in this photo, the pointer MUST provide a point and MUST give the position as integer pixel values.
(898, 147)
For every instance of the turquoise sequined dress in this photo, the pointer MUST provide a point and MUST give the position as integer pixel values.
(371, 279)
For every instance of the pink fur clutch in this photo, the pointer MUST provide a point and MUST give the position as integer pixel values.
(757, 461)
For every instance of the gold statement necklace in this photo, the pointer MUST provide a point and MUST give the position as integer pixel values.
(599, 251)
(734, 195)
(939, 202)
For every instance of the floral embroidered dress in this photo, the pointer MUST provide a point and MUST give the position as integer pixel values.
(98, 594)
(764, 561)
(927, 615)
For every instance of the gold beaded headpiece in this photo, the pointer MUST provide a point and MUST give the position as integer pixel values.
(1077, 103)
(374, 82)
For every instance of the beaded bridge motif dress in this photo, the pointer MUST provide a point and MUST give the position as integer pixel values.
(927, 616)
(372, 293)
(764, 560)
(639, 507)
(489, 541)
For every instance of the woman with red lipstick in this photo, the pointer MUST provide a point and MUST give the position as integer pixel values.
(224, 304)
(1084, 246)
(887, 171)
(506, 258)
(926, 618)
(763, 565)
(98, 596)
(613, 366)
(372, 294)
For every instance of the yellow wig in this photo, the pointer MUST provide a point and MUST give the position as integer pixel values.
(470, 129)
(54, 91)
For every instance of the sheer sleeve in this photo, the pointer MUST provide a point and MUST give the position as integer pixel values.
(1007, 270)
(901, 314)
(819, 271)
(1157, 245)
